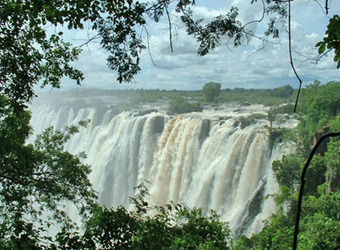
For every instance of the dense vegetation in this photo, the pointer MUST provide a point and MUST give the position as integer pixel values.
(173, 227)
(211, 90)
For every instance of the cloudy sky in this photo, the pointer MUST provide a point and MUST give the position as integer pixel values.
(247, 66)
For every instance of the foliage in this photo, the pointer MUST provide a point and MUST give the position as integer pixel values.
(250, 119)
(29, 52)
(319, 230)
(287, 171)
(275, 234)
(110, 228)
(179, 105)
(28, 56)
(332, 161)
(211, 90)
(36, 179)
(279, 113)
(284, 91)
(319, 107)
(321, 102)
(170, 227)
(332, 39)
(252, 96)
(209, 35)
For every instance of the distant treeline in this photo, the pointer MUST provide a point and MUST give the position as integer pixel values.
(267, 97)
(89, 92)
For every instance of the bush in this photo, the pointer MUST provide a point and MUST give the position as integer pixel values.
(179, 105)
(284, 91)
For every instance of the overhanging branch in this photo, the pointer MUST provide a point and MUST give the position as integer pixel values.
(170, 28)
(291, 57)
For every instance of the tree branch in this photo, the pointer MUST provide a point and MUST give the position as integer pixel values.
(170, 34)
(262, 17)
(314, 59)
(322, 8)
(156, 5)
(148, 42)
(291, 57)
(89, 40)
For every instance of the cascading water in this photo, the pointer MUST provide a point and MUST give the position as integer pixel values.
(205, 159)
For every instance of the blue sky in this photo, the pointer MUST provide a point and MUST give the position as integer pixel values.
(245, 66)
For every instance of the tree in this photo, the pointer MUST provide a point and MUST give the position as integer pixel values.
(36, 179)
(284, 91)
(179, 105)
(211, 90)
(172, 226)
(321, 103)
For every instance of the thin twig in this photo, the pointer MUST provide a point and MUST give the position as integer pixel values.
(264, 41)
(262, 17)
(302, 184)
(89, 40)
(148, 42)
(170, 28)
(155, 5)
(322, 9)
(316, 58)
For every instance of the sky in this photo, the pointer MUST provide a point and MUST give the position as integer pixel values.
(248, 66)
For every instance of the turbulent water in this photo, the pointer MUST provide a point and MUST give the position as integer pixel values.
(206, 159)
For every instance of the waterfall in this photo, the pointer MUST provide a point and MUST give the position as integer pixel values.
(204, 159)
